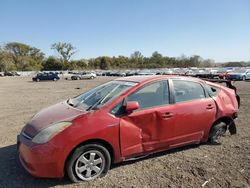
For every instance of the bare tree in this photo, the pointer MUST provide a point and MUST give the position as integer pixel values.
(66, 50)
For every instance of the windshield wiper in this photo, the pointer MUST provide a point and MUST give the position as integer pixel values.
(94, 106)
(69, 101)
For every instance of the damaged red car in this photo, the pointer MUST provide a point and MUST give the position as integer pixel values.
(126, 118)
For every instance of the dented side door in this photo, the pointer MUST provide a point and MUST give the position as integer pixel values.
(142, 131)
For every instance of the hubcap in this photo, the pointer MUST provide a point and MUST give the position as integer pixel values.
(219, 133)
(90, 165)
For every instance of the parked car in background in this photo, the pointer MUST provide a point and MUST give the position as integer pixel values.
(239, 75)
(117, 73)
(222, 74)
(132, 73)
(11, 73)
(83, 75)
(145, 72)
(168, 72)
(46, 76)
(126, 118)
(1, 74)
(67, 75)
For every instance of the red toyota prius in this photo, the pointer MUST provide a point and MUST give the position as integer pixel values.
(122, 119)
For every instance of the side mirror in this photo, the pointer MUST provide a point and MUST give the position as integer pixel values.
(131, 106)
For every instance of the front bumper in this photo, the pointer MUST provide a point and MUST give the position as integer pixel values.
(40, 160)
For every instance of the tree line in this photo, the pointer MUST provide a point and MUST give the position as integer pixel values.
(15, 56)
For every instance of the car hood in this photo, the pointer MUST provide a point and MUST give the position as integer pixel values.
(46, 117)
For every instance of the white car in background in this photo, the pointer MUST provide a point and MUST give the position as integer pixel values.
(83, 75)
(67, 75)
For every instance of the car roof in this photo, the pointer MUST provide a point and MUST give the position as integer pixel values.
(141, 79)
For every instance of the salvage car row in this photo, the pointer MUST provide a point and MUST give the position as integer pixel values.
(212, 73)
(229, 73)
(68, 75)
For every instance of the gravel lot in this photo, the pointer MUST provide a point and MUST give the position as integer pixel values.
(226, 165)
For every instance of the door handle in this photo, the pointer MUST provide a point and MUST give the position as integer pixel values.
(209, 106)
(167, 115)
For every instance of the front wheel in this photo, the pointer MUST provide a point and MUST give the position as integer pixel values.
(88, 162)
(243, 78)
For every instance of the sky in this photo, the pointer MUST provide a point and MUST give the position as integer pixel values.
(215, 29)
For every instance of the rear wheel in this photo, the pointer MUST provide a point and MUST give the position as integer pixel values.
(55, 79)
(38, 80)
(216, 132)
(88, 162)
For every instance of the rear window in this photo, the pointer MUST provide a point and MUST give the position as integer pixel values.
(212, 90)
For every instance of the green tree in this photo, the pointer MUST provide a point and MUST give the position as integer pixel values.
(65, 50)
(6, 61)
(136, 59)
(207, 63)
(194, 61)
(120, 62)
(78, 64)
(52, 63)
(157, 60)
(105, 63)
(233, 64)
(22, 54)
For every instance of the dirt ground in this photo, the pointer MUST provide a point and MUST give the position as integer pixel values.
(226, 165)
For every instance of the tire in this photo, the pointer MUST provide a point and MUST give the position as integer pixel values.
(54, 79)
(92, 77)
(92, 153)
(78, 78)
(38, 80)
(216, 132)
(243, 78)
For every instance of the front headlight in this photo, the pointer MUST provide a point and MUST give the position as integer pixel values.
(46, 134)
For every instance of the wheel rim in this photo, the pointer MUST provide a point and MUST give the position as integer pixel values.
(90, 165)
(219, 133)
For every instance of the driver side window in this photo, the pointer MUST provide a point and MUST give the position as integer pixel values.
(151, 95)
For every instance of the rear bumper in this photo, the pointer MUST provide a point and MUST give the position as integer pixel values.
(40, 160)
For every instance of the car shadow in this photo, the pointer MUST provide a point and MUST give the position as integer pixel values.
(12, 174)
(42, 81)
(155, 155)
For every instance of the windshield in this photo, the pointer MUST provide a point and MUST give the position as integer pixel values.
(99, 96)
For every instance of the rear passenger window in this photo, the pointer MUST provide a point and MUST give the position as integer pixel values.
(187, 90)
(212, 90)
